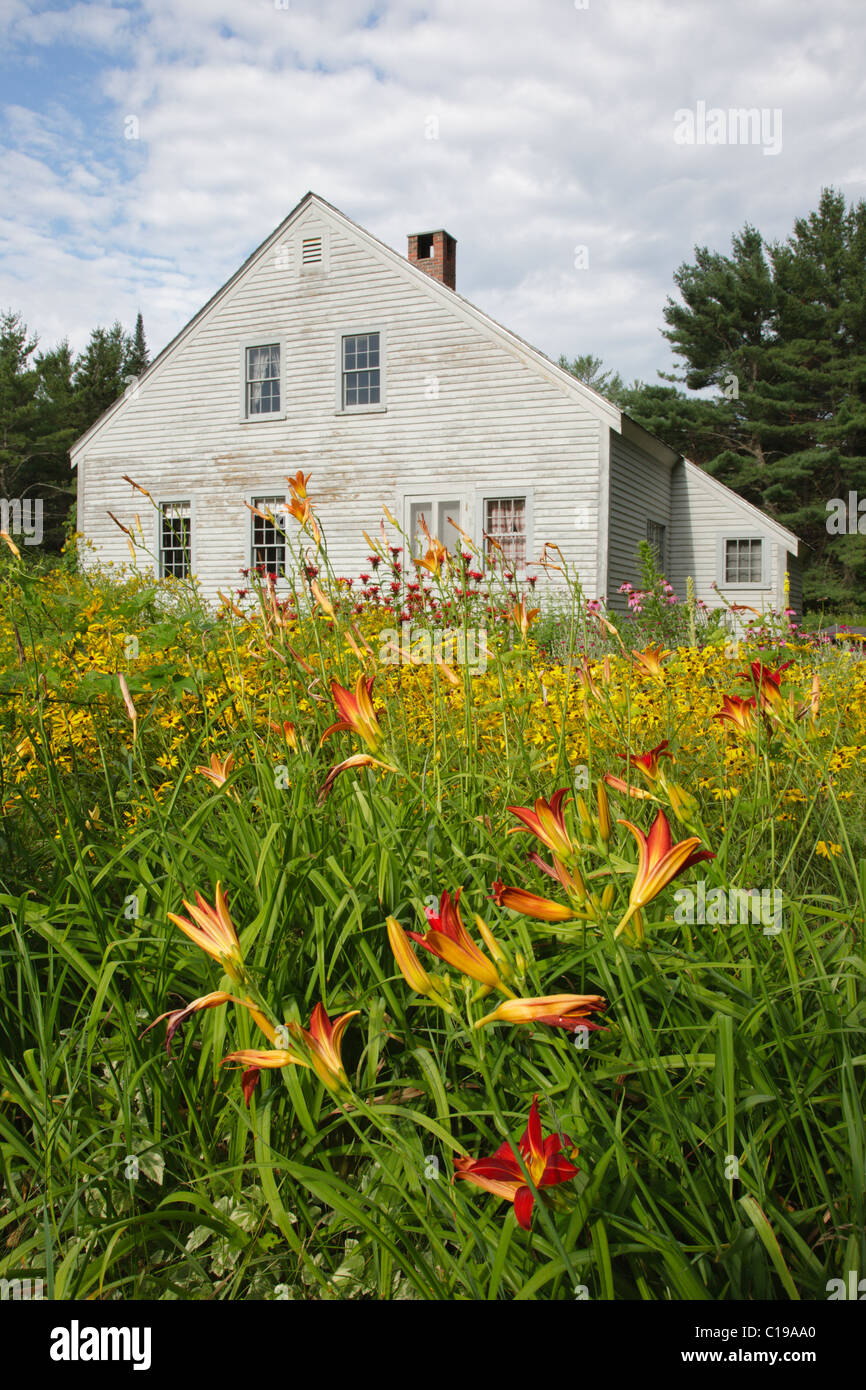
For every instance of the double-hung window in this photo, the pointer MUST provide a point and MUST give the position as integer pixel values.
(262, 381)
(505, 527)
(175, 539)
(743, 560)
(268, 551)
(361, 371)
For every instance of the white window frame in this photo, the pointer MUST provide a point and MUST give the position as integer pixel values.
(353, 332)
(721, 554)
(263, 493)
(172, 501)
(407, 498)
(484, 494)
(263, 340)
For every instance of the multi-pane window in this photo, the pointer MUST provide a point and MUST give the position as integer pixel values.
(656, 534)
(263, 380)
(505, 523)
(743, 561)
(436, 514)
(175, 536)
(269, 537)
(361, 370)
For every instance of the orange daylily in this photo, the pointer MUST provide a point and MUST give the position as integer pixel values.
(220, 769)
(742, 714)
(176, 1017)
(358, 714)
(647, 763)
(531, 904)
(318, 1048)
(569, 1011)
(298, 484)
(356, 760)
(523, 617)
(651, 660)
(503, 1176)
(322, 1044)
(448, 939)
(213, 931)
(659, 861)
(288, 731)
(547, 821)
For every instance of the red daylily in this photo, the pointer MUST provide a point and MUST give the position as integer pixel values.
(767, 682)
(503, 1176)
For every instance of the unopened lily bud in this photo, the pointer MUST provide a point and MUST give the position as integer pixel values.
(683, 804)
(607, 897)
(584, 817)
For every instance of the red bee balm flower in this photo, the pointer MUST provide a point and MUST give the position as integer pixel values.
(503, 1176)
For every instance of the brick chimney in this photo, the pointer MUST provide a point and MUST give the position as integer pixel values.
(436, 254)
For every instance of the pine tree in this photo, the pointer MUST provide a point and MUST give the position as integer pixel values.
(19, 411)
(138, 358)
(780, 332)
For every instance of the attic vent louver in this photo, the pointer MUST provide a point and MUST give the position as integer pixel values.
(311, 250)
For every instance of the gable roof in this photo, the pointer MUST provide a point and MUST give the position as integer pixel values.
(706, 479)
(597, 404)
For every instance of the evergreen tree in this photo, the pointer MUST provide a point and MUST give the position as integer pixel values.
(19, 411)
(101, 373)
(780, 332)
(138, 358)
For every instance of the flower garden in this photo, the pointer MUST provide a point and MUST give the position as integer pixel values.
(339, 964)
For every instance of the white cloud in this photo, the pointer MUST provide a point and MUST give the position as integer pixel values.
(555, 128)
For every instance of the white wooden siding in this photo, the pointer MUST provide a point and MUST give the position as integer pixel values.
(497, 422)
(640, 491)
(703, 513)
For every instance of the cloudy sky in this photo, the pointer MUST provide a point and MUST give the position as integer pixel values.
(146, 146)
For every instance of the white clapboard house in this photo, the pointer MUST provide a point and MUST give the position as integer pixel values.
(329, 352)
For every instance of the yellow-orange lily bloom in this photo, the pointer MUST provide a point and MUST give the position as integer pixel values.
(178, 1016)
(219, 770)
(742, 714)
(298, 484)
(212, 930)
(547, 821)
(569, 1011)
(659, 861)
(651, 660)
(356, 760)
(523, 617)
(321, 1043)
(358, 715)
